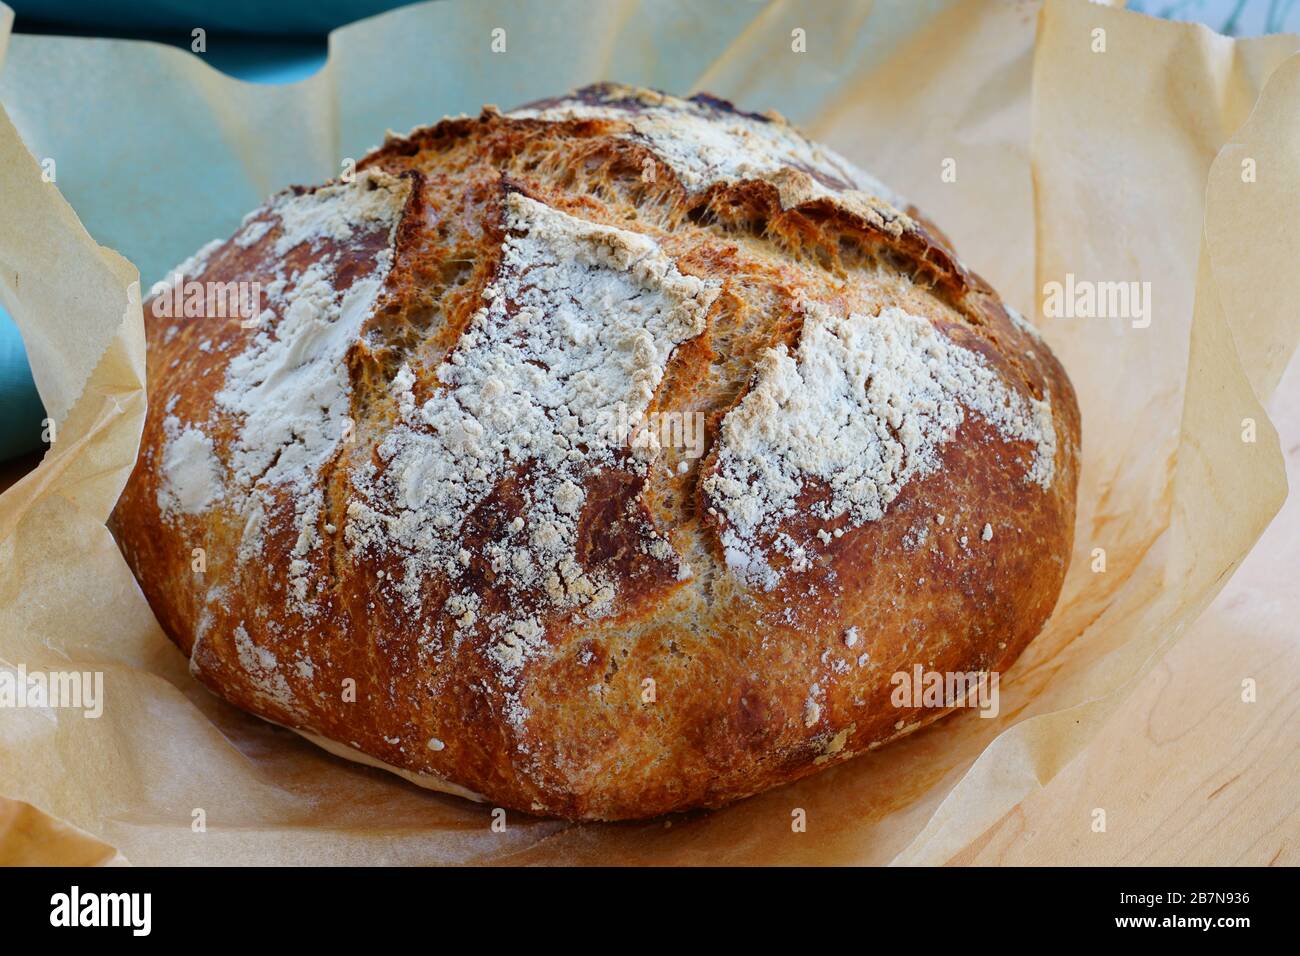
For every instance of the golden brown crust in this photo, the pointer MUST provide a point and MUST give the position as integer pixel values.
(691, 686)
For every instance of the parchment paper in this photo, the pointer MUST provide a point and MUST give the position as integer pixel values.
(1107, 171)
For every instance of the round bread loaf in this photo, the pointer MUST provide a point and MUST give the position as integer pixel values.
(601, 459)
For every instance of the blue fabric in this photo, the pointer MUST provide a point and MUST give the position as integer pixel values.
(247, 17)
(266, 61)
(21, 412)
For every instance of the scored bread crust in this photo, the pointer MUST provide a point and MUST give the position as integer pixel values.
(391, 513)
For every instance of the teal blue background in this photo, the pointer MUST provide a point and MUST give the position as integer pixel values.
(275, 57)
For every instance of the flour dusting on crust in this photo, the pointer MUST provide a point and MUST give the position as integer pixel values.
(289, 389)
(290, 386)
(705, 142)
(261, 665)
(578, 326)
(190, 473)
(860, 409)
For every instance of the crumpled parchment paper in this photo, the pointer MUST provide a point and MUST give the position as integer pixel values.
(1124, 163)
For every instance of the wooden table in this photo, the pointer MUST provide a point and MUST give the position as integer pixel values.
(1187, 771)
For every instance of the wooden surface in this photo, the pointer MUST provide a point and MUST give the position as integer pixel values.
(1186, 771)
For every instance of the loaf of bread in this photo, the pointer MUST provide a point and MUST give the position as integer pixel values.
(601, 459)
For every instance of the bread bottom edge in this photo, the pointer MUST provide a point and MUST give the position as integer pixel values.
(428, 781)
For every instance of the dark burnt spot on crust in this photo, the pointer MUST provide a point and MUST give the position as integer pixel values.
(725, 107)
(635, 100)
(594, 94)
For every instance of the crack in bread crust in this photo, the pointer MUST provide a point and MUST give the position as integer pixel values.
(530, 611)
